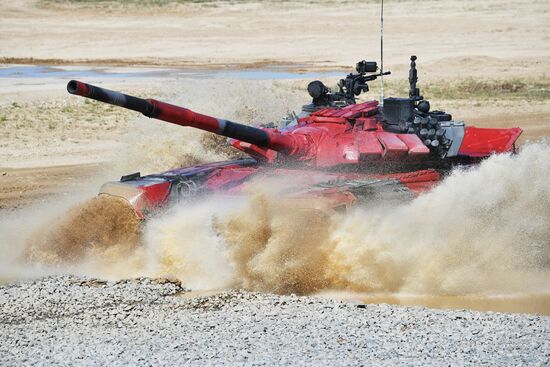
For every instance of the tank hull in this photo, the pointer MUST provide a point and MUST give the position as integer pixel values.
(337, 190)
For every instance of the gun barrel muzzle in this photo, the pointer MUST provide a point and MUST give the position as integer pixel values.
(110, 96)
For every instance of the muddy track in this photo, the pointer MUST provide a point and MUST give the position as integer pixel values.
(23, 186)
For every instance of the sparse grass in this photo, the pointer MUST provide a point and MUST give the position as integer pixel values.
(473, 89)
(78, 118)
(491, 89)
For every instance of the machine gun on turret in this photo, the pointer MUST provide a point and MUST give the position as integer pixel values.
(349, 88)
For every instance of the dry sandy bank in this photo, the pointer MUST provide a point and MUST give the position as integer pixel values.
(452, 37)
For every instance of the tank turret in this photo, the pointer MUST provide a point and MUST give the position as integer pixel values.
(337, 130)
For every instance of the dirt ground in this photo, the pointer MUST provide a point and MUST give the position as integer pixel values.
(49, 140)
(452, 37)
(27, 185)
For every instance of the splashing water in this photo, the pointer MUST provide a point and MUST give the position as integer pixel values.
(185, 245)
(96, 225)
(484, 230)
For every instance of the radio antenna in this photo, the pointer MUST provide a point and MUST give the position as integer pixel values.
(382, 51)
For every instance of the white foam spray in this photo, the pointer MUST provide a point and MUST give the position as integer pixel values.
(486, 229)
(483, 230)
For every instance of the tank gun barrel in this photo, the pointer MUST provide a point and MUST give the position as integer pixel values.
(185, 117)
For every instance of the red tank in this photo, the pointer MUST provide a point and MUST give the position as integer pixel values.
(336, 149)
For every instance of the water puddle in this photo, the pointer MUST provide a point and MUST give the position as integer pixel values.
(52, 72)
(37, 71)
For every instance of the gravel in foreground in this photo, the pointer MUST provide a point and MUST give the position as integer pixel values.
(66, 320)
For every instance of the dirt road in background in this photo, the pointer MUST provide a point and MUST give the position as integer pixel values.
(454, 38)
(24, 186)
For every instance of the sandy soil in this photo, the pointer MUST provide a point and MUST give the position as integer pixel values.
(51, 143)
(23, 186)
(452, 37)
